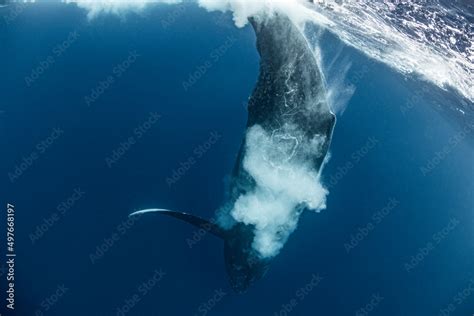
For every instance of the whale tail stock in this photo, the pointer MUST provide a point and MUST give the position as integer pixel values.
(197, 221)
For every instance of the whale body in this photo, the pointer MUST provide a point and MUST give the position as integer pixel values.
(289, 108)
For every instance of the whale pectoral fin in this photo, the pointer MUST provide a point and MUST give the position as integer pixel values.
(191, 219)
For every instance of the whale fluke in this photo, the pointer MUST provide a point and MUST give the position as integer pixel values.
(288, 114)
(191, 219)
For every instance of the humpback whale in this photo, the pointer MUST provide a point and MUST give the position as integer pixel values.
(289, 109)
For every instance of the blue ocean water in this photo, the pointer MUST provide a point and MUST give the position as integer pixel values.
(77, 252)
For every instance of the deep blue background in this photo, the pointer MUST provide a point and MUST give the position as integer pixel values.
(406, 141)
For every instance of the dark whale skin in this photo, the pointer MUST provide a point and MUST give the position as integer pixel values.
(290, 91)
(289, 108)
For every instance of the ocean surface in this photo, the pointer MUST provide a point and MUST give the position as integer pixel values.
(149, 110)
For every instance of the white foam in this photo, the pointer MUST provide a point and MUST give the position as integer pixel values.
(97, 7)
(427, 46)
(284, 186)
